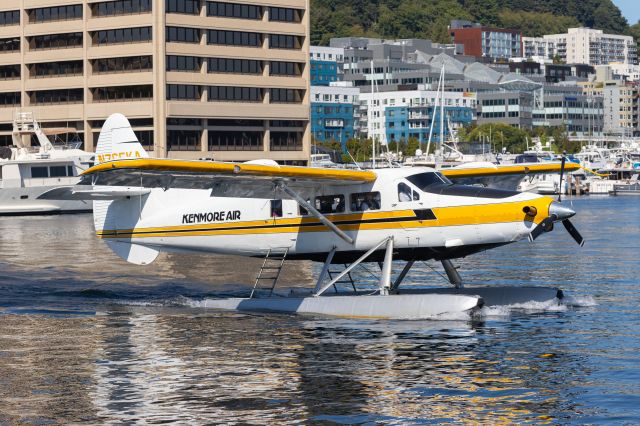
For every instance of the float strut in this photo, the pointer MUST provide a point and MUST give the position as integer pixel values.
(385, 277)
(403, 274)
(325, 269)
(452, 273)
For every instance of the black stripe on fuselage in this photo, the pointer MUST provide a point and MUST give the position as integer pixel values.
(271, 226)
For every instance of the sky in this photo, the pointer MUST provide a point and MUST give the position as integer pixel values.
(630, 9)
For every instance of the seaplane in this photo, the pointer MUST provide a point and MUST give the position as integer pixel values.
(395, 216)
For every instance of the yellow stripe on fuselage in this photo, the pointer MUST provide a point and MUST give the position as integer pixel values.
(445, 216)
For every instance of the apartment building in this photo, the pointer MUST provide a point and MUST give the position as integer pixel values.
(196, 78)
(583, 46)
(486, 42)
(335, 112)
(621, 101)
(403, 114)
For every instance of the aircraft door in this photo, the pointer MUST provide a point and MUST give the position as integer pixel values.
(408, 199)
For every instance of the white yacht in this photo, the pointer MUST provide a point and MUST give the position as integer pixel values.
(27, 171)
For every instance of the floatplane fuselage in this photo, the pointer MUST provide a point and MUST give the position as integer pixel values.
(145, 206)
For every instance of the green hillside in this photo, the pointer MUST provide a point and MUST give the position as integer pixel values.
(429, 18)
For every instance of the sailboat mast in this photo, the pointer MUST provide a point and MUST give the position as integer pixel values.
(373, 103)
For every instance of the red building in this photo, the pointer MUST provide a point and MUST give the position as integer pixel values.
(486, 42)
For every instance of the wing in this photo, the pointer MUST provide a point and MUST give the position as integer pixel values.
(506, 177)
(222, 179)
(486, 170)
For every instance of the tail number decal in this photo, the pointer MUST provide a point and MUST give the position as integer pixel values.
(118, 155)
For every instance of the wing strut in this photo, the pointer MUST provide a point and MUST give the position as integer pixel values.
(314, 212)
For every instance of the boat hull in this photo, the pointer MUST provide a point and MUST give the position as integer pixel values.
(24, 201)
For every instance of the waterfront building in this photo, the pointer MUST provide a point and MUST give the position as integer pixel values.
(403, 114)
(566, 105)
(621, 102)
(583, 46)
(486, 42)
(334, 113)
(326, 65)
(196, 78)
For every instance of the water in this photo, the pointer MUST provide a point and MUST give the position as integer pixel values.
(85, 337)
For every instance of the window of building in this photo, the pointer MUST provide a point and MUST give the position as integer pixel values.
(191, 7)
(145, 137)
(284, 14)
(10, 98)
(9, 17)
(122, 93)
(122, 36)
(286, 141)
(234, 38)
(238, 66)
(120, 7)
(238, 140)
(285, 95)
(55, 13)
(183, 63)
(57, 41)
(181, 121)
(50, 69)
(10, 72)
(230, 93)
(283, 41)
(363, 201)
(183, 35)
(59, 96)
(189, 92)
(10, 44)
(127, 64)
(285, 68)
(286, 123)
(330, 203)
(183, 140)
(234, 10)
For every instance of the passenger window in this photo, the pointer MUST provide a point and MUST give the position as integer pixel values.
(330, 204)
(276, 208)
(57, 171)
(363, 201)
(69, 170)
(39, 172)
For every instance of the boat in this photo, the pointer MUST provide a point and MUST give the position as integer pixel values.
(322, 160)
(28, 171)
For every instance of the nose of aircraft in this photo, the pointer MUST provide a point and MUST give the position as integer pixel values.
(559, 212)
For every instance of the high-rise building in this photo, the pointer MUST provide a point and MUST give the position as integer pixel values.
(196, 78)
(583, 46)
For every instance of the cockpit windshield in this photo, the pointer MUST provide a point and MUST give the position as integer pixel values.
(427, 179)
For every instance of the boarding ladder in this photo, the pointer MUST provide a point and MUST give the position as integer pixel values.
(269, 271)
(347, 279)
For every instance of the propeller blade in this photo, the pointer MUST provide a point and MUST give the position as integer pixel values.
(561, 176)
(574, 232)
(542, 227)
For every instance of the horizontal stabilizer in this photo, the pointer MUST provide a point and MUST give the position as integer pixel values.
(133, 253)
(92, 193)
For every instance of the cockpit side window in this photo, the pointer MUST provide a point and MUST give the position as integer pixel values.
(405, 193)
(427, 179)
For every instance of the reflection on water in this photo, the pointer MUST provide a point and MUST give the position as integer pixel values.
(87, 338)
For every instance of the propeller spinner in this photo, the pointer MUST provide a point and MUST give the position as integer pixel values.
(558, 213)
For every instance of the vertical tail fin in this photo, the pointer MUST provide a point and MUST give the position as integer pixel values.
(117, 141)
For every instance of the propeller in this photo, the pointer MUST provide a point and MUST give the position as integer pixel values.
(564, 158)
(558, 213)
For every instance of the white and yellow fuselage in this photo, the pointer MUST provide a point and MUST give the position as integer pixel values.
(432, 225)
